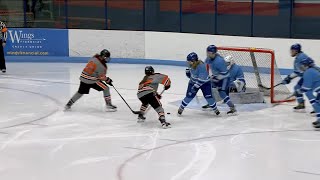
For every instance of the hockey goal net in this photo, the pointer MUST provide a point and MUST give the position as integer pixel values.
(260, 71)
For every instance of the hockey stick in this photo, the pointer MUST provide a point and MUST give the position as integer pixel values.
(134, 112)
(262, 86)
(289, 97)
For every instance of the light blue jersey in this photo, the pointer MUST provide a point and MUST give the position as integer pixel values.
(199, 79)
(220, 80)
(311, 88)
(199, 75)
(236, 73)
(311, 80)
(218, 67)
(296, 64)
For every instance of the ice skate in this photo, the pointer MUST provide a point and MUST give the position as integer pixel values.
(180, 110)
(206, 107)
(300, 108)
(217, 112)
(313, 114)
(3, 70)
(316, 124)
(165, 125)
(232, 111)
(67, 107)
(111, 108)
(141, 118)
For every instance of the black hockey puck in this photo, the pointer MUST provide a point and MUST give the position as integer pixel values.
(168, 113)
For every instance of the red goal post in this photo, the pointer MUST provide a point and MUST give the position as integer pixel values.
(260, 70)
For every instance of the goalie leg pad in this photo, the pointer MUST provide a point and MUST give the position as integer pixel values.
(237, 86)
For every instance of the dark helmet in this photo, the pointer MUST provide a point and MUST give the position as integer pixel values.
(212, 49)
(296, 47)
(105, 53)
(149, 70)
(192, 57)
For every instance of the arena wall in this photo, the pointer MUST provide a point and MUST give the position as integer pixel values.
(138, 47)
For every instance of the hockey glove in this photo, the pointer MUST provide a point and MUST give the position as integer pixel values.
(188, 73)
(109, 81)
(286, 80)
(167, 87)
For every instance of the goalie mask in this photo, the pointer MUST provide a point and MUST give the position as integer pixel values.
(229, 61)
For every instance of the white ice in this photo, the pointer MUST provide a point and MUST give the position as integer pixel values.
(38, 141)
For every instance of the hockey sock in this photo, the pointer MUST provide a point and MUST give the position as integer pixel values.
(183, 104)
(74, 98)
(213, 106)
(211, 102)
(108, 100)
(227, 100)
(160, 112)
(181, 107)
(143, 108)
(300, 99)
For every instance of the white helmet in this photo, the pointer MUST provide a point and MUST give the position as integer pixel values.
(229, 61)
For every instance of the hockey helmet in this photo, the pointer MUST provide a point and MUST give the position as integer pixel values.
(149, 70)
(212, 49)
(192, 57)
(296, 47)
(229, 61)
(105, 54)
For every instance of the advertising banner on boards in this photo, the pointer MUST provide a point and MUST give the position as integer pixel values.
(37, 42)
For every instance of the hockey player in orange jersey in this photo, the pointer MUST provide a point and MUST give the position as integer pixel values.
(94, 76)
(147, 94)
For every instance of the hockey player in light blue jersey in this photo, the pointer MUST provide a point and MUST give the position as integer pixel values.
(237, 81)
(199, 79)
(311, 86)
(219, 75)
(299, 56)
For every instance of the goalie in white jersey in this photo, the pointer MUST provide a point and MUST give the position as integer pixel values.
(237, 81)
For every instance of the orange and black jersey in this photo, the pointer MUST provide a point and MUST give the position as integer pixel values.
(94, 71)
(150, 84)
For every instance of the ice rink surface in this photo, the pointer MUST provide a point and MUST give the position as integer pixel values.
(39, 141)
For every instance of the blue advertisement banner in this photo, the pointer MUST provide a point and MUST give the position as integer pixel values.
(37, 42)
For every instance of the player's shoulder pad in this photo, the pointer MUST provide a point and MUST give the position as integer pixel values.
(302, 56)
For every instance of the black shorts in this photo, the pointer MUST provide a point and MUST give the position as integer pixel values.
(150, 99)
(84, 88)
